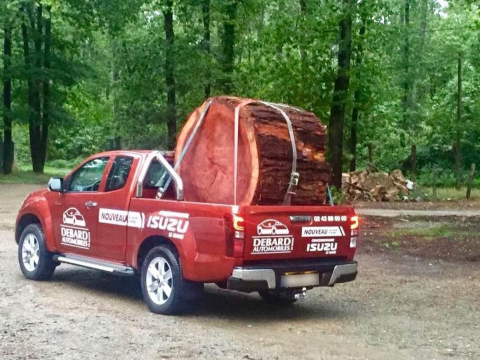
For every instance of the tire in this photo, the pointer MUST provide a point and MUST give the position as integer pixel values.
(277, 298)
(162, 267)
(35, 261)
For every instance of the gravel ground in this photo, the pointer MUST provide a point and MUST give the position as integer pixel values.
(398, 308)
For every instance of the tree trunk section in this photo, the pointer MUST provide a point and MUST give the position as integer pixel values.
(7, 101)
(340, 95)
(170, 74)
(264, 155)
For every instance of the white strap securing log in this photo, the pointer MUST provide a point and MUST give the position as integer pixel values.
(294, 177)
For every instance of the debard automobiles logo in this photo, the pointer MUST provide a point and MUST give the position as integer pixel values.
(273, 238)
(73, 230)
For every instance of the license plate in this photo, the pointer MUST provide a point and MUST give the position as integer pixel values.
(299, 280)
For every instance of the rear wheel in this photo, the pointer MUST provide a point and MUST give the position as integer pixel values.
(35, 261)
(163, 287)
(284, 298)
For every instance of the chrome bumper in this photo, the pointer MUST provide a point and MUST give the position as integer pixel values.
(267, 275)
(342, 270)
(248, 279)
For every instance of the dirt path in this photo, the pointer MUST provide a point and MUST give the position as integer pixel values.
(422, 213)
(399, 308)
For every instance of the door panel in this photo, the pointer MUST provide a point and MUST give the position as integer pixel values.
(113, 216)
(75, 214)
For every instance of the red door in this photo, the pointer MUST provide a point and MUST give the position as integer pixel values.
(114, 216)
(75, 214)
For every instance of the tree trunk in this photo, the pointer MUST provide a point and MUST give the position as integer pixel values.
(413, 162)
(228, 46)
(206, 44)
(46, 84)
(340, 95)
(353, 134)
(33, 71)
(264, 155)
(357, 99)
(406, 64)
(458, 132)
(32, 128)
(303, 52)
(370, 152)
(170, 74)
(7, 101)
(37, 30)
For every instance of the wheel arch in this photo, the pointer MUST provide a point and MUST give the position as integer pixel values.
(151, 242)
(23, 222)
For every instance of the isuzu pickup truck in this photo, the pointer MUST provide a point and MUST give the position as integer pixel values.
(113, 213)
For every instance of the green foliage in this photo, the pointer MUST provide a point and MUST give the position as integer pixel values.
(108, 76)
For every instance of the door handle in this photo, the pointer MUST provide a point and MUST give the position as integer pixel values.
(90, 204)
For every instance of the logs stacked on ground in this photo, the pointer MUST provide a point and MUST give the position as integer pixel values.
(264, 155)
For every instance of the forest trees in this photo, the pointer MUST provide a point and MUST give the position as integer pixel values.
(384, 74)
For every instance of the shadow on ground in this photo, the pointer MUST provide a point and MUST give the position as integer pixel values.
(217, 303)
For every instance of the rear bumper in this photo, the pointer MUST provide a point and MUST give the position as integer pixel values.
(253, 279)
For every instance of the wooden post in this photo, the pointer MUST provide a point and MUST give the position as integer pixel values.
(434, 190)
(470, 181)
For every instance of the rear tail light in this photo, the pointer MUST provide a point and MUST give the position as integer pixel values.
(353, 231)
(235, 235)
(354, 222)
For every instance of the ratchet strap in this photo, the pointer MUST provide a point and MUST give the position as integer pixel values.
(294, 176)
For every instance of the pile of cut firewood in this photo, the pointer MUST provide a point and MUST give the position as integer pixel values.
(370, 185)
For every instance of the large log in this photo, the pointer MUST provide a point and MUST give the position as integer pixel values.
(264, 155)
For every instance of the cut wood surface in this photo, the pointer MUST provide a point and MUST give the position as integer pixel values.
(264, 155)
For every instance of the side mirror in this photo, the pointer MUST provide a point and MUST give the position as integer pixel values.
(56, 184)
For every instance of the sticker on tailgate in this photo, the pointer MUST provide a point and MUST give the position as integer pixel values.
(273, 238)
(322, 231)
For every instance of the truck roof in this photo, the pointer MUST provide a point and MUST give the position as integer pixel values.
(166, 154)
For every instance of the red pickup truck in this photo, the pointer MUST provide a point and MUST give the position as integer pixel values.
(112, 213)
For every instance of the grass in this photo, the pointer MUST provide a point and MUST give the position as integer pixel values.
(449, 193)
(24, 175)
(427, 233)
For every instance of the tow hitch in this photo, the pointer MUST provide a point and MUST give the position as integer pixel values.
(300, 294)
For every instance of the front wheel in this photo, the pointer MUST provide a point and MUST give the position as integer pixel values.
(36, 262)
(163, 287)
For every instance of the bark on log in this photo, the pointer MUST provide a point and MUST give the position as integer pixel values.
(264, 155)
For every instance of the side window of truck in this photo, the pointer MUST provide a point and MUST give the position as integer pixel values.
(155, 178)
(89, 176)
(118, 176)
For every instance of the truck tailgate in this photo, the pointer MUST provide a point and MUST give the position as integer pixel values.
(292, 232)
